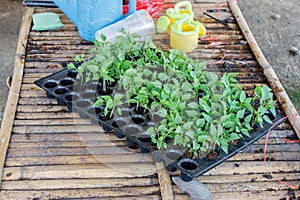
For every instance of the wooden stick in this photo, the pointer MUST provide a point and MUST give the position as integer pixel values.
(13, 97)
(164, 182)
(272, 78)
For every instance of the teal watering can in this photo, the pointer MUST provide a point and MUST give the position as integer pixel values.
(91, 15)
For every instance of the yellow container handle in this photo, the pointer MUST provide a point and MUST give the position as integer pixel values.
(177, 26)
(176, 13)
(186, 4)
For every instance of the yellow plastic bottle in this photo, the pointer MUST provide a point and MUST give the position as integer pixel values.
(184, 34)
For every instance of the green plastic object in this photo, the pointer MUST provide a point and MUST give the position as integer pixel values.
(179, 27)
(179, 12)
(162, 24)
(46, 21)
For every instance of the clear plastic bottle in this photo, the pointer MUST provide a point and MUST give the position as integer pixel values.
(139, 22)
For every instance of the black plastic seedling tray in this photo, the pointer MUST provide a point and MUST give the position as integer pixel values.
(192, 168)
(69, 91)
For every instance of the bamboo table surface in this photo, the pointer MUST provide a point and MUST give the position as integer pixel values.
(48, 153)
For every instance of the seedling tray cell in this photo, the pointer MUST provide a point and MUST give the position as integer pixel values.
(63, 86)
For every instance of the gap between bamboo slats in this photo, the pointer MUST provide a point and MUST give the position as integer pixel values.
(255, 195)
(244, 187)
(111, 148)
(43, 65)
(67, 53)
(203, 44)
(94, 159)
(53, 122)
(27, 129)
(115, 170)
(250, 195)
(70, 144)
(37, 101)
(77, 160)
(37, 116)
(75, 184)
(244, 178)
(134, 193)
(82, 171)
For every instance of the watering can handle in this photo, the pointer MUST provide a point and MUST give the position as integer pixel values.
(181, 21)
(132, 6)
(187, 4)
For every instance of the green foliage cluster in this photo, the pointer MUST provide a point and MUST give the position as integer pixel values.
(197, 109)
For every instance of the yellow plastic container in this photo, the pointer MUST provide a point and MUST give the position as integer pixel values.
(184, 34)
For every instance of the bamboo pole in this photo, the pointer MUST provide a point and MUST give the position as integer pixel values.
(164, 182)
(13, 97)
(271, 76)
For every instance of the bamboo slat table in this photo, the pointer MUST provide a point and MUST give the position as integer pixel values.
(43, 155)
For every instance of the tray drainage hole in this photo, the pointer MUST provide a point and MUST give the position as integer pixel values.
(72, 97)
(72, 73)
(67, 82)
(174, 155)
(138, 119)
(83, 103)
(119, 123)
(189, 165)
(60, 91)
(50, 84)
